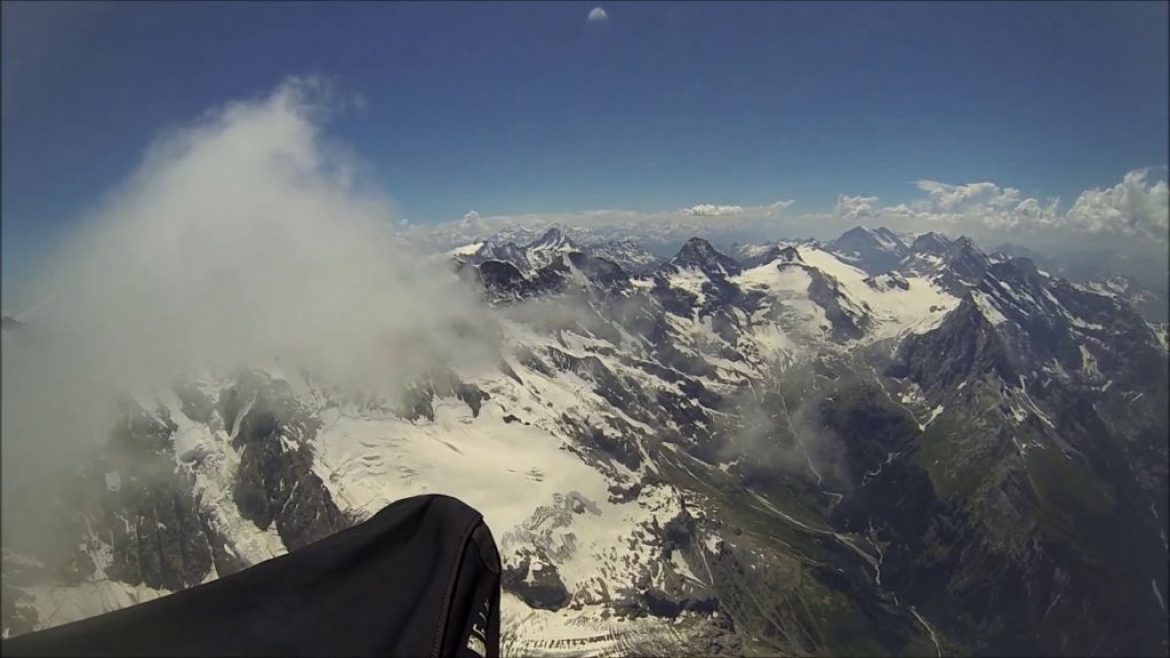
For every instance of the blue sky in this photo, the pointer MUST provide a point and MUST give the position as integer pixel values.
(526, 107)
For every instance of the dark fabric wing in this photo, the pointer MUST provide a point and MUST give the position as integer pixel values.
(411, 581)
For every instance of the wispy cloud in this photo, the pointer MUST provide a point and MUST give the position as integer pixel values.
(597, 15)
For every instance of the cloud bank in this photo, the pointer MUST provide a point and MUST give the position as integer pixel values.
(1135, 209)
(1132, 215)
(1137, 206)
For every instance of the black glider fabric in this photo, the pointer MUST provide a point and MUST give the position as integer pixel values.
(420, 578)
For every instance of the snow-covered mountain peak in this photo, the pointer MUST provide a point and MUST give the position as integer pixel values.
(553, 238)
(930, 242)
(548, 247)
(628, 253)
(873, 250)
(786, 254)
(699, 254)
(863, 236)
(468, 250)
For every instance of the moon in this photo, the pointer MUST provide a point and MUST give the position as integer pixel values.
(597, 15)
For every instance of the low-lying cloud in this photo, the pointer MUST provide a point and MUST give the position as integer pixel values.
(244, 239)
(778, 431)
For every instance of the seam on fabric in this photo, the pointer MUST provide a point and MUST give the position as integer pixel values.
(437, 645)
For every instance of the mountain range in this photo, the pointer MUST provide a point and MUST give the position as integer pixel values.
(879, 444)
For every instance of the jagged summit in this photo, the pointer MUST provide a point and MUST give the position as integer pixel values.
(863, 235)
(549, 247)
(553, 238)
(930, 243)
(787, 254)
(628, 253)
(698, 253)
(873, 250)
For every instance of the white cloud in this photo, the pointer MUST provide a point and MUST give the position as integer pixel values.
(597, 15)
(1134, 208)
(779, 206)
(242, 240)
(471, 221)
(902, 210)
(712, 210)
(957, 198)
(715, 210)
(1032, 212)
(855, 207)
(1137, 206)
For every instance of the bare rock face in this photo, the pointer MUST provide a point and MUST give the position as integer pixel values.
(276, 482)
(825, 292)
(539, 585)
